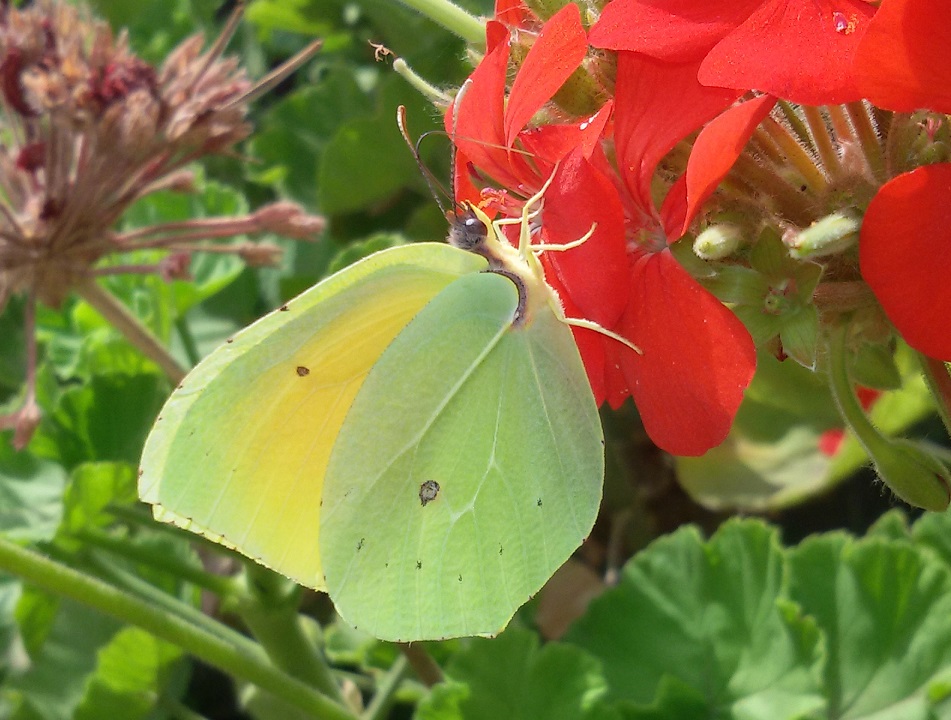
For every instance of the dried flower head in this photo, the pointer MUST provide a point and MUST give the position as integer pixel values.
(88, 129)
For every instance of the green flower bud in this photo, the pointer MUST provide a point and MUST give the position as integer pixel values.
(832, 234)
(718, 241)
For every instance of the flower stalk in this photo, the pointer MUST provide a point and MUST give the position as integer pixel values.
(911, 472)
(452, 17)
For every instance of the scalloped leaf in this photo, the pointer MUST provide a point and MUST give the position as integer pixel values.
(885, 608)
(706, 625)
(513, 677)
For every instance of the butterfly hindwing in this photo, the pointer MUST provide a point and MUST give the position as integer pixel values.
(500, 417)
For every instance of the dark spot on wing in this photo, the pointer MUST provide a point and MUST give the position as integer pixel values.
(360, 544)
(419, 565)
(460, 578)
(229, 341)
(302, 371)
(500, 549)
(428, 492)
(539, 502)
(285, 308)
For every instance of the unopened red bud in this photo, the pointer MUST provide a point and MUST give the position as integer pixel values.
(286, 218)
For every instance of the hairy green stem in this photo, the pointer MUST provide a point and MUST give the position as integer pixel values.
(452, 17)
(159, 560)
(61, 580)
(152, 595)
(913, 473)
(868, 138)
(938, 378)
(269, 609)
(117, 315)
(425, 88)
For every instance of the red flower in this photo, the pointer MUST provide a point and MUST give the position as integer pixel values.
(490, 134)
(799, 50)
(698, 358)
(902, 63)
(905, 242)
(905, 256)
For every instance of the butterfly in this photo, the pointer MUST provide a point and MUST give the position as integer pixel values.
(415, 434)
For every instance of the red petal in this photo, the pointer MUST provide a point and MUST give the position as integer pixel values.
(903, 61)
(799, 50)
(511, 12)
(905, 256)
(550, 143)
(717, 148)
(675, 31)
(595, 274)
(475, 120)
(558, 51)
(698, 357)
(657, 105)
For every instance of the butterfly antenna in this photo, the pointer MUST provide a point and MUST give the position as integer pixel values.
(452, 141)
(434, 185)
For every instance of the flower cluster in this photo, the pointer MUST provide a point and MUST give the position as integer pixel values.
(770, 154)
(89, 129)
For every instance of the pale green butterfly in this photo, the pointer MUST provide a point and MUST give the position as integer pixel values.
(415, 435)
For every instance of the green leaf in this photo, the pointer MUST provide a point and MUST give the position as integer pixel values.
(513, 677)
(300, 127)
(299, 16)
(933, 531)
(30, 494)
(800, 335)
(886, 610)
(106, 419)
(691, 620)
(736, 284)
(53, 684)
(92, 488)
(9, 595)
(444, 702)
(757, 474)
(770, 256)
(367, 160)
(155, 25)
(362, 166)
(761, 325)
(132, 669)
(359, 250)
